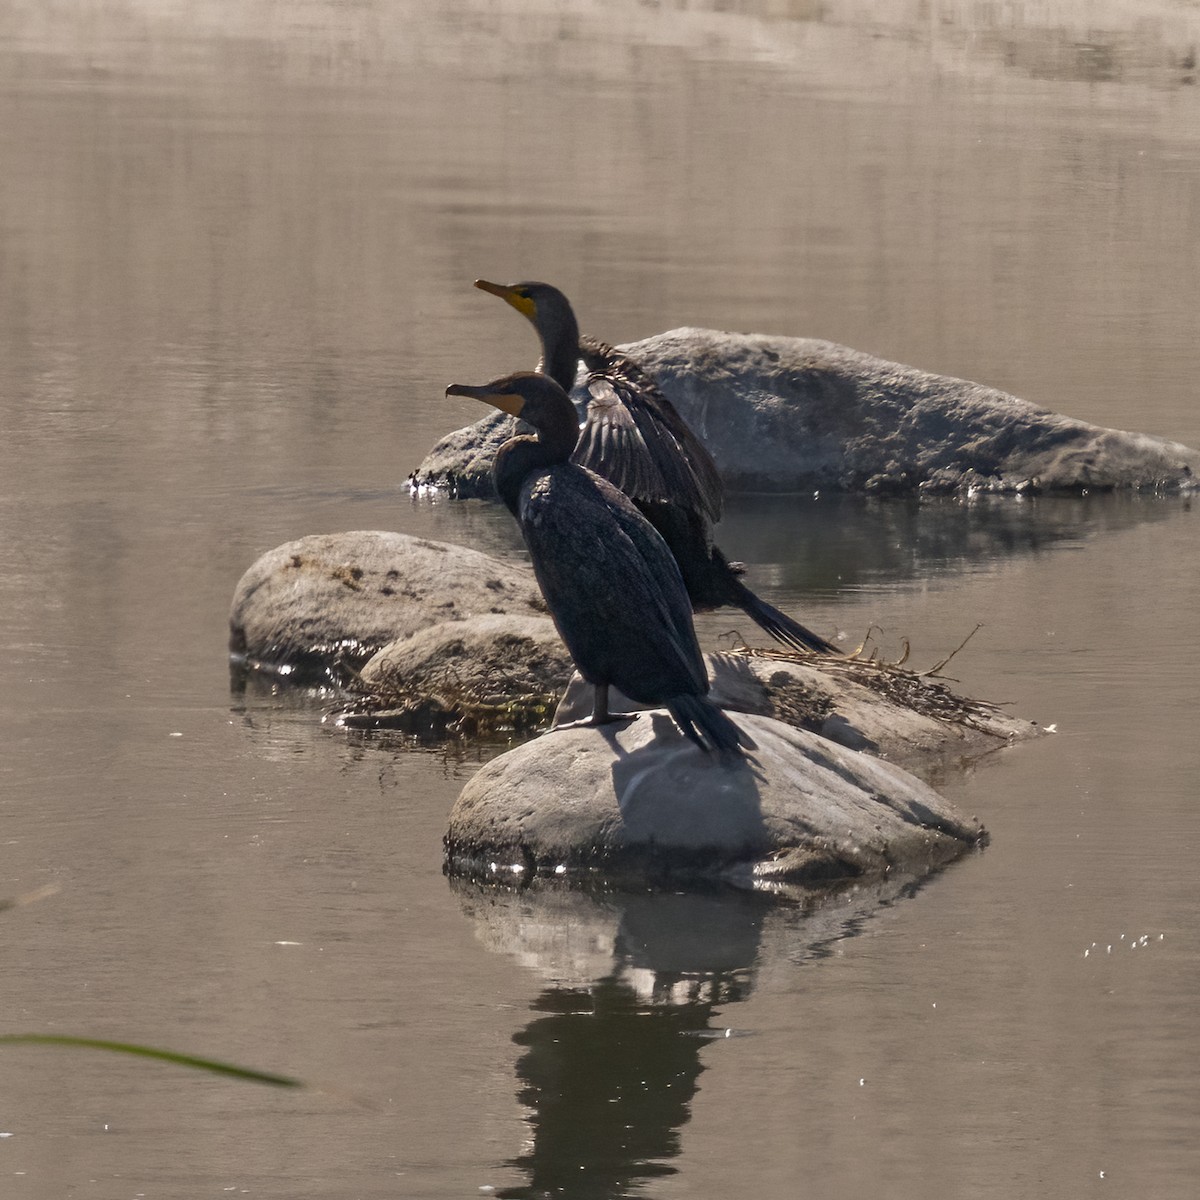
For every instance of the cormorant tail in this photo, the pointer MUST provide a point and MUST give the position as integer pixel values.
(708, 726)
(779, 625)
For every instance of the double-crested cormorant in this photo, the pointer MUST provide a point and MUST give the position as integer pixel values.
(611, 584)
(633, 437)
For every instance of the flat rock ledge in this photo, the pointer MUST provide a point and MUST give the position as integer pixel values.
(784, 414)
(311, 609)
(638, 802)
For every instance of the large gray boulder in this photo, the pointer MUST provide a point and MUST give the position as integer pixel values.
(637, 800)
(784, 414)
(338, 598)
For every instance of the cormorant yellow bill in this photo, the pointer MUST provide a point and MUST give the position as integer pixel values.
(508, 402)
(523, 304)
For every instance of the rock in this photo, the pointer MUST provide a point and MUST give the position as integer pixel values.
(786, 414)
(377, 603)
(343, 596)
(637, 800)
(461, 462)
(887, 712)
(498, 671)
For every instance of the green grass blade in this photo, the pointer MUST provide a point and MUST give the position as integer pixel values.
(169, 1056)
(7, 902)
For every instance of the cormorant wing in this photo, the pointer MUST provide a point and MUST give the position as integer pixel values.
(683, 470)
(613, 444)
(612, 586)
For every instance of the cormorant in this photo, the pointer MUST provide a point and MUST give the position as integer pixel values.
(609, 580)
(634, 437)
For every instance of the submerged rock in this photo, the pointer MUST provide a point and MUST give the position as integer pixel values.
(639, 800)
(338, 598)
(786, 414)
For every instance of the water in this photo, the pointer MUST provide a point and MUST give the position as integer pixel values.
(236, 242)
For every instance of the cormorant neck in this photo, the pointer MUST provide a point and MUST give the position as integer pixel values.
(560, 352)
(520, 456)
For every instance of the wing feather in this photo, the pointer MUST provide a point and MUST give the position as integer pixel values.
(634, 436)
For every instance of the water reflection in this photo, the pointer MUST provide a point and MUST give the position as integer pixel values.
(1067, 42)
(609, 1080)
(635, 986)
(834, 543)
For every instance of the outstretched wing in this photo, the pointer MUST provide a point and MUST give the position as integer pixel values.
(630, 455)
(634, 437)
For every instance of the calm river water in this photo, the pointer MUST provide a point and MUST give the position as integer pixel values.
(236, 246)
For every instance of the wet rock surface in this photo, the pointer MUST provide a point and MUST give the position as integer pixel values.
(637, 800)
(796, 414)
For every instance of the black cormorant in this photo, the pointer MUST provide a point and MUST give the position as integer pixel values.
(609, 580)
(634, 437)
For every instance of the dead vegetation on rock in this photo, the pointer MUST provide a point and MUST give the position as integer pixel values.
(926, 693)
(486, 675)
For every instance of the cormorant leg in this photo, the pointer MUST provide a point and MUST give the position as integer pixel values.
(600, 714)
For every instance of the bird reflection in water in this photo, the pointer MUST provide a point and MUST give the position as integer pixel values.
(609, 1078)
(609, 1071)
(636, 986)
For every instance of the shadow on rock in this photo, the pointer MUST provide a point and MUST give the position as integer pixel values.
(637, 801)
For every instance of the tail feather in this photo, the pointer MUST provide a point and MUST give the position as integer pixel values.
(709, 727)
(778, 624)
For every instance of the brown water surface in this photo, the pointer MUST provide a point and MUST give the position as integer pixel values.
(236, 243)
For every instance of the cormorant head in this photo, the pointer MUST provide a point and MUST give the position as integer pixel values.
(546, 307)
(532, 397)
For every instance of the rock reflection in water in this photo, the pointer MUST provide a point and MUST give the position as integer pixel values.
(634, 987)
(836, 542)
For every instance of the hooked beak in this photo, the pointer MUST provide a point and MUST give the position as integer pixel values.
(508, 402)
(522, 304)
